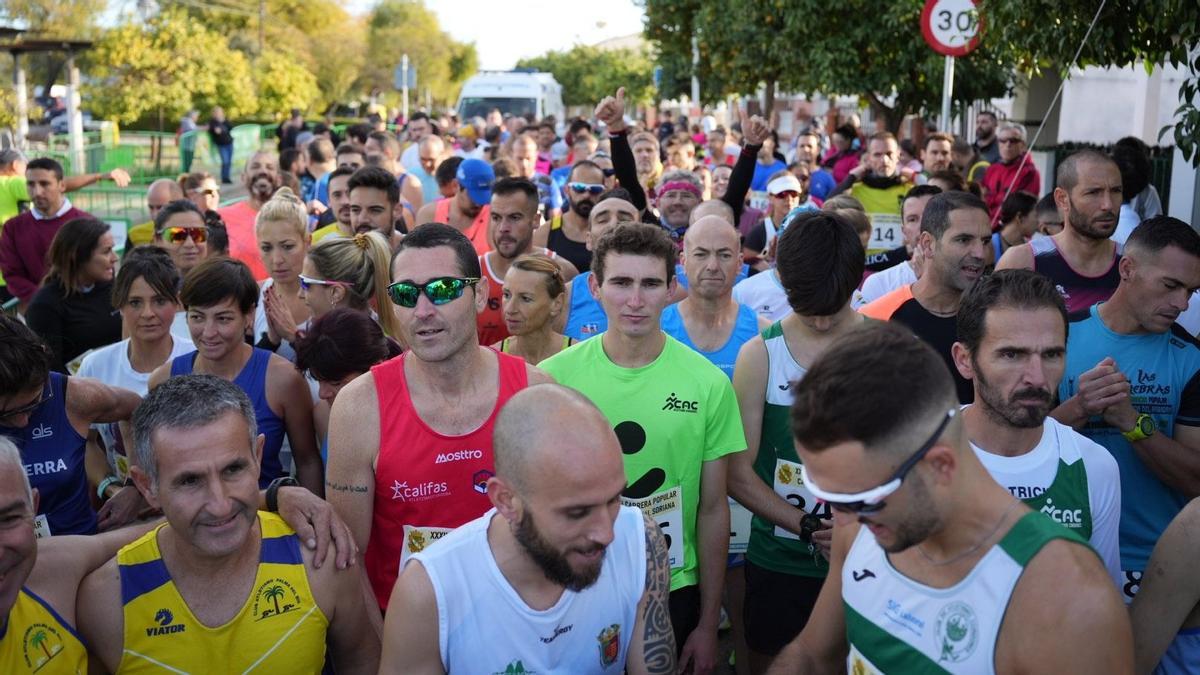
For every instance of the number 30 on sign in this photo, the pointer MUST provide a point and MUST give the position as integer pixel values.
(951, 27)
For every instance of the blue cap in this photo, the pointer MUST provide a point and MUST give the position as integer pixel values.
(476, 177)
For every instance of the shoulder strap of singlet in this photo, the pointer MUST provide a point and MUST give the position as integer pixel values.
(1041, 245)
(504, 346)
(567, 341)
(556, 223)
(883, 308)
(1032, 532)
(513, 373)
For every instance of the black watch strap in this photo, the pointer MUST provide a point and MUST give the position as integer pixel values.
(273, 491)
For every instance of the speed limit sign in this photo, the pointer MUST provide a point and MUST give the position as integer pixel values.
(951, 27)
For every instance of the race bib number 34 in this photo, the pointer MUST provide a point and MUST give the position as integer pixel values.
(789, 486)
(666, 509)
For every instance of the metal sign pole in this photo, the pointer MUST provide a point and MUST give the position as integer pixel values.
(947, 93)
(404, 88)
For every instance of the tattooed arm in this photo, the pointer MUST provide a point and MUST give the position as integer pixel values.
(652, 649)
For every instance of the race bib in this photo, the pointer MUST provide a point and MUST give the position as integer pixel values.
(885, 232)
(790, 487)
(857, 664)
(759, 199)
(739, 527)
(666, 509)
(1133, 583)
(417, 539)
(41, 527)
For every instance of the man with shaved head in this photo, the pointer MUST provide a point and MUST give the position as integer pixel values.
(1082, 260)
(555, 567)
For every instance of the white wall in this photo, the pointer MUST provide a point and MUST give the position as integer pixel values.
(1101, 105)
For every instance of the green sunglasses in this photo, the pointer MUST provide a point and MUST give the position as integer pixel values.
(439, 291)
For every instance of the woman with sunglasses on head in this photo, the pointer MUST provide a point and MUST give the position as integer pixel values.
(340, 345)
(201, 189)
(72, 311)
(281, 227)
(219, 297)
(146, 293)
(350, 272)
(533, 299)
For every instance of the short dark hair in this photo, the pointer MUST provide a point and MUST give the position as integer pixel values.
(1017, 204)
(820, 261)
(938, 136)
(24, 357)
(339, 172)
(583, 163)
(1046, 205)
(1133, 160)
(855, 392)
(989, 113)
(320, 150)
(172, 209)
(936, 219)
(1159, 232)
(510, 185)
(1067, 176)
(70, 250)
(635, 239)
(348, 148)
(920, 191)
(46, 164)
(951, 176)
(359, 132)
(847, 132)
(216, 279)
(417, 116)
(387, 142)
(151, 264)
(340, 343)
(1012, 289)
(435, 235)
(218, 234)
(377, 178)
(287, 159)
(616, 193)
(447, 170)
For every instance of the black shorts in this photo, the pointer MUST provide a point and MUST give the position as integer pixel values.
(777, 607)
(684, 605)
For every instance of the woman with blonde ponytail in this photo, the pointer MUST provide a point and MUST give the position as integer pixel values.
(350, 272)
(281, 228)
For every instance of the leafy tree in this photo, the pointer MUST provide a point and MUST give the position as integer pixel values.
(396, 27)
(283, 84)
(167, 65)
(588, 74)
(1157, 31)
(869, 49)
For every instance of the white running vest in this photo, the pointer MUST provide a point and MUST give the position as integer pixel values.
(896, 625)
(484, 627)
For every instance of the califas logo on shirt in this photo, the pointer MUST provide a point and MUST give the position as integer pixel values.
(458, 456)
(274, 597)
(680, 405)
(419, 492)
(166, 624)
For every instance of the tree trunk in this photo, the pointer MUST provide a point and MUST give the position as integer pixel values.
(887, 118)
(769, 99)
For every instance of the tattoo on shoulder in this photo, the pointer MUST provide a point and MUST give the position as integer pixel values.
(342, 487)
(658, 639)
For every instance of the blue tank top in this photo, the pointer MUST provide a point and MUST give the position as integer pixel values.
(745, 328)
(681, 275)
(52, 452)
(1183, 654)
(585, 317)
(253, 381)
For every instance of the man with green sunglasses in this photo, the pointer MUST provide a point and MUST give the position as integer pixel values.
(410, 443)
(935, 568)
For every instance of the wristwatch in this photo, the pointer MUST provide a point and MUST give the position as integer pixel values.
(273, 491)
(808, 524)
(1143, 429)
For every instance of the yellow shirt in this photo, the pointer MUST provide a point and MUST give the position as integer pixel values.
(140, 235)
(37, 640)
(280, 628)
(883, 208)
(330, 230)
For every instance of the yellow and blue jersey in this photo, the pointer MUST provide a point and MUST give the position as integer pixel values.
(279, 629)
(35, 639)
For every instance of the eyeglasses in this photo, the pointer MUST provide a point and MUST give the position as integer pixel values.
(872, 501)
(178, 235)
(439, 291)
(580, 188)
(1007, 141)
(308, 282)
(47, 394)
(209, 192)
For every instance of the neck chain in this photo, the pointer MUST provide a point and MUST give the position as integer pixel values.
(974, 548)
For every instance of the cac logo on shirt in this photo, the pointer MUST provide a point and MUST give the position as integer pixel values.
(40, 644)
(957, 631)
(274, 597)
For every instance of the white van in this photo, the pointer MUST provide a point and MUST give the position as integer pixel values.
(514, 92)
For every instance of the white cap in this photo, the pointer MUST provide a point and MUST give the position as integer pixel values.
(788, 183)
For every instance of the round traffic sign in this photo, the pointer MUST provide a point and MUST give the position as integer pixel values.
(951, 27)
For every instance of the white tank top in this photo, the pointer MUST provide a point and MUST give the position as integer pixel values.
(896, 625)
(485, 627)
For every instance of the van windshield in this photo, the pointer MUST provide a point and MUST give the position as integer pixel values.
(474, 106)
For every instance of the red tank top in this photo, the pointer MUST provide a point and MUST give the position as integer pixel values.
(426, 483)
(477, 232)
(490, 322)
